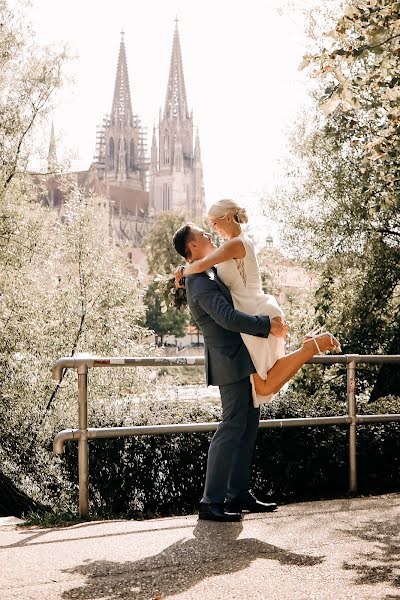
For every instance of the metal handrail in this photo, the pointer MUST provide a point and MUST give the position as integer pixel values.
(83, 434)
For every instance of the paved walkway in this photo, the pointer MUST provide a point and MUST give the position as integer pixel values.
(340, 549)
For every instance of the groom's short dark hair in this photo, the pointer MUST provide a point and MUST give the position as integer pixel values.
(181, 238)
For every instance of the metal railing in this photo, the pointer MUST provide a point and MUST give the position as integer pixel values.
(83, 433)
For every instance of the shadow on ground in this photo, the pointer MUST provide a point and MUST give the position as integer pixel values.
(381, 564)
(214, 550)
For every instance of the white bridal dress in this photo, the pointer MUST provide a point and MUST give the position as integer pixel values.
(242, 277)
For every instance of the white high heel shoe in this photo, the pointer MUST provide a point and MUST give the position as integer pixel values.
(314, 332)
(318, 333)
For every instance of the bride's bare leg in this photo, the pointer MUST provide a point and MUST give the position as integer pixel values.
(287, 366)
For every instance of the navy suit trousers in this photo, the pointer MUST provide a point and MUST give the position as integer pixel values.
(230, 455)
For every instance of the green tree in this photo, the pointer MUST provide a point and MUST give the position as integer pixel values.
(166, 307)
(64, 290)
(161, 254)
(360, 70)
(341, 207)
(30, 75)
(167, 321)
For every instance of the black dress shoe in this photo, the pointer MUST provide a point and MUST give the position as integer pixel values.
(216, 512)
(246, 501)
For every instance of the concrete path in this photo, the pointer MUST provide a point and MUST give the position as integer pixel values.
(340, 549)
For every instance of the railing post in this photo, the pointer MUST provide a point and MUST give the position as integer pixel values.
(352, 411)
(83, 448)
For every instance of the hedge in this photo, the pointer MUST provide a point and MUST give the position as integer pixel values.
(164, 475)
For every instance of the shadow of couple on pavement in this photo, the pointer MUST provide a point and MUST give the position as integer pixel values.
(214, 550)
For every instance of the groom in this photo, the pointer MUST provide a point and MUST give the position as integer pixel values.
(228, 365)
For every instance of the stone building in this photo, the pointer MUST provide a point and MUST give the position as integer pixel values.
(172, 180)
(176, 172)
(121, 140)
(134, 188)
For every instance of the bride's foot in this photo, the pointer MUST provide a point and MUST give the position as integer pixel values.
(323, 342)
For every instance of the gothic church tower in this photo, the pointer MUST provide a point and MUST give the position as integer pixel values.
(121, 139)
(176, 172)
(52, 162)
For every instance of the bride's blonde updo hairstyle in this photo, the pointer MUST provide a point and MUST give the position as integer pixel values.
(222, 208)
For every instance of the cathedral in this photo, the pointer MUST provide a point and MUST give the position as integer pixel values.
(172, 180)
(135, 187)
(176, 172)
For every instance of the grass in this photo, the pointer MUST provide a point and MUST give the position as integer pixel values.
(68, 519)
(54, 519)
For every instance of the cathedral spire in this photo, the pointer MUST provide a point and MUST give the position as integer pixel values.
(121, 112)
(52, 155)
(153, 159)
(175, 101)
(176, 174)
(197, 153)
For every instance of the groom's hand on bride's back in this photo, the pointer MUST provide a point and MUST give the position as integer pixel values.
(279, 327)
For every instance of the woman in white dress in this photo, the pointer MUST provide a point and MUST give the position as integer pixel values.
(238, 268)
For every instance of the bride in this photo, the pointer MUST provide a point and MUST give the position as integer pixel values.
(237, 267)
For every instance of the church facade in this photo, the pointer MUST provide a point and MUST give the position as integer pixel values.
(134, 187)
(176, 172)
(121, 144)
(138, 187)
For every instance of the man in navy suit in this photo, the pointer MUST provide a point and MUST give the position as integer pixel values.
(228, 365)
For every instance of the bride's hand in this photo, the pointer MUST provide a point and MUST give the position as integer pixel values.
(179, 283)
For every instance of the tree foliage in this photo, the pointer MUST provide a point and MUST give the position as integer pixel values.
(30, 74)
(64, 290)
(341, 204)
(166, 306)
(161, 254)
(360, 71)
(163, 320)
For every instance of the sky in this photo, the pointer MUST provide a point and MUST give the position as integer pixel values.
(240, 63)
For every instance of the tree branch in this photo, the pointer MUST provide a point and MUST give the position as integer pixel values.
(388, 232)
(75, 343)
(36, 109)
(384, 42)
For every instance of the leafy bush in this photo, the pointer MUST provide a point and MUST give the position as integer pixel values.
(64, 290)
(162, 475)
(312, 462)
